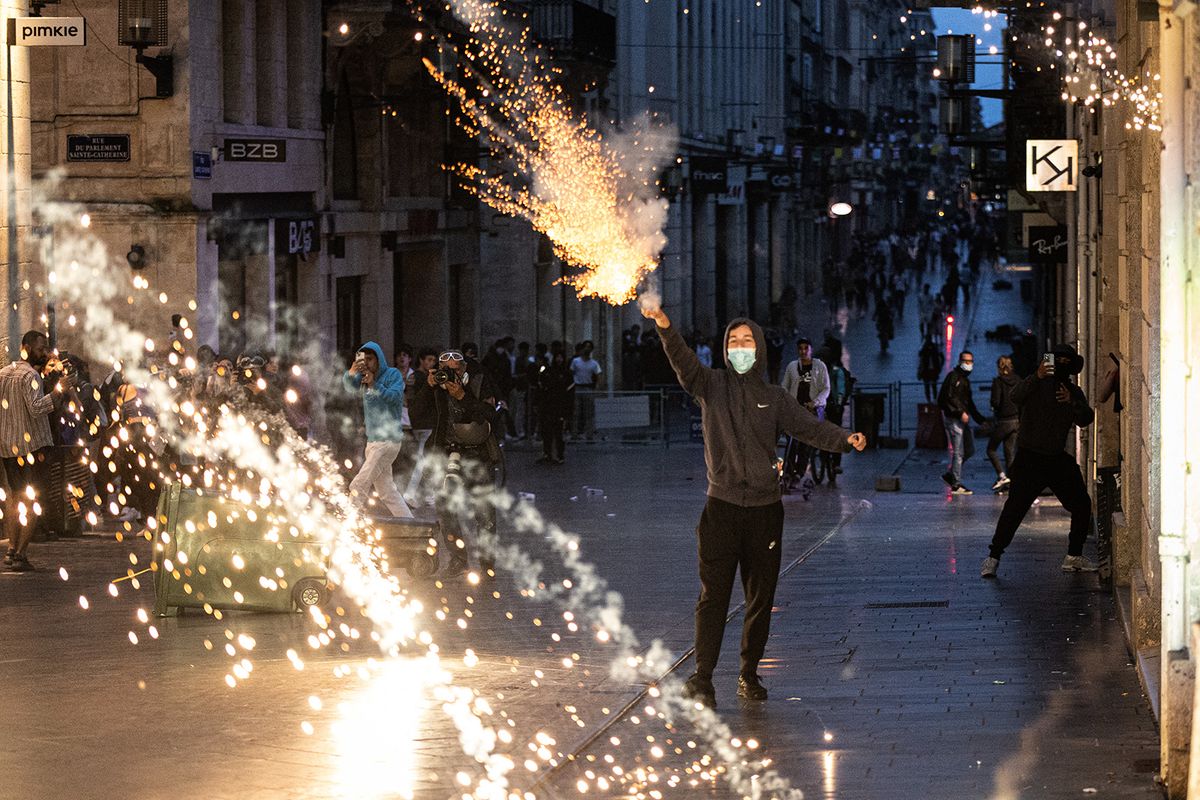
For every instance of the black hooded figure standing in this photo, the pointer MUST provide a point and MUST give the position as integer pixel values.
(742, 524)
(1051, 407)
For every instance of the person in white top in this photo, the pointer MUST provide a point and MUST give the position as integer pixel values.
(807, 379)
(584, 369)
(585, 372)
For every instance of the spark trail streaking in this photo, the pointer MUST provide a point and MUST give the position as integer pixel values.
(594, 196)
(237, 451)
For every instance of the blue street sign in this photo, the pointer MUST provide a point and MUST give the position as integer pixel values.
(201, 165)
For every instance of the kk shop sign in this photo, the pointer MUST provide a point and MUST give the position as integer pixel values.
(1051, 165)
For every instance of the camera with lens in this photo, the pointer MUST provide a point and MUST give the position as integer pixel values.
(65, 364)
(444, 375)
(249, 368)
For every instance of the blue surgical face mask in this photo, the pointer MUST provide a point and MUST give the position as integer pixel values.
(741, 359)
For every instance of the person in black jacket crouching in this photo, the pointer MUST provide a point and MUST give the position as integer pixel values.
(742, 523)
(1051, 406)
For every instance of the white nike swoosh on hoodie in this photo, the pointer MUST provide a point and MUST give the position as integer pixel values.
(764, 405)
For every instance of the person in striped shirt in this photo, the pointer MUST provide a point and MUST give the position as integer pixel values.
(25, 440)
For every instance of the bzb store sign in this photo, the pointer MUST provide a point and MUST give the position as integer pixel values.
(270, 151)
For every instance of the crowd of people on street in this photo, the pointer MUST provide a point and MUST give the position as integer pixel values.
(76, 450)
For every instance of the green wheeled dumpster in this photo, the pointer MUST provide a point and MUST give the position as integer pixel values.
(214, 552)
(410, 543)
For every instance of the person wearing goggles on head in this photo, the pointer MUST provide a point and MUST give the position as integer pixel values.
(382, 389)
(465, 429)
(742, 523)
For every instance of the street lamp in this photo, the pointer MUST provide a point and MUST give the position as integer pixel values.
(956, 58)
(840, 209)
(142, 24)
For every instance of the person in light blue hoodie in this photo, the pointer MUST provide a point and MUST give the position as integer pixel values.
(382, 389)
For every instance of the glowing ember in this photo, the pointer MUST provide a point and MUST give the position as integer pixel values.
(595, 197)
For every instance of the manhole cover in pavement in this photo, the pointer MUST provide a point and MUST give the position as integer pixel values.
(915, 604)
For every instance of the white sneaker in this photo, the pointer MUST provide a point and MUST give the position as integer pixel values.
(1001, 484)
(988, 569)
(1078, 564)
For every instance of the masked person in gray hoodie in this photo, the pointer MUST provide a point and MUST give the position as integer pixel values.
(742, 523)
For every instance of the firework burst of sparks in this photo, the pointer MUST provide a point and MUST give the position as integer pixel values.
(594, 196)
(294, 488)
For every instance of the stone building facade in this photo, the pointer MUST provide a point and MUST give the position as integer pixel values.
(1128, 291)
(15, 245)
(215, 183)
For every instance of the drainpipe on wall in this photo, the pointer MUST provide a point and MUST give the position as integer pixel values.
(1175, 688)
(1172, 333)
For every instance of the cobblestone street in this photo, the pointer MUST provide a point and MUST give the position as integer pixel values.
(894, 671)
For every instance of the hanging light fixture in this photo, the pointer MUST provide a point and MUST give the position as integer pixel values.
(142, 24)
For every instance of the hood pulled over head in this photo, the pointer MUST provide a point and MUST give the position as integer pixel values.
(377, 351)
(760, 345)
(1066, 360)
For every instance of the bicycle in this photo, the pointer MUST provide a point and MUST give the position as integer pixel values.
(804, 466)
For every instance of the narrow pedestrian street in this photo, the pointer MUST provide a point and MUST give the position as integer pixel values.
(894, 671)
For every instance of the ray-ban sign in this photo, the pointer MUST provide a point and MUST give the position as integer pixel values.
(47, 32)
(1051, 165)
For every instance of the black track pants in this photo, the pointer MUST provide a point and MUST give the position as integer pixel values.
(1031, 473)
(732, 537)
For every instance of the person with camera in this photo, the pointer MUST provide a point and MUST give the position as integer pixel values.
(382, 389)
(259, 389)
(26, 440)
(465, 430)
(1052, 406)
(418, 399)
(742, 523)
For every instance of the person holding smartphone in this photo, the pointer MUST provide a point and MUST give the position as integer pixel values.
(382, 391)
(1051, 407)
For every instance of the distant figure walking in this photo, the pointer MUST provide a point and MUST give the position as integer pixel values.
(929, 368)
(958, 409)
(1006, 416)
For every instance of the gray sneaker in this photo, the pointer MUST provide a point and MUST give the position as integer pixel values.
(988, 569)
(1078, 564)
